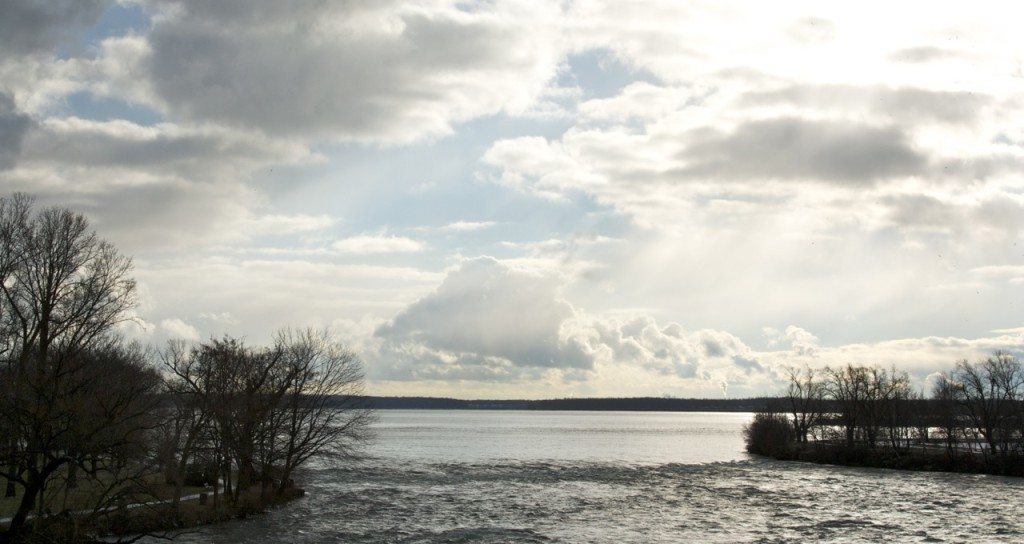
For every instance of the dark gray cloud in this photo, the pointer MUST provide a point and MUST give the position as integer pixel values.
(748, 364)
(199, 154)
(351, 70)
(13, 127)
(165, 214)
(1002, 213)
(999, 213)
(921, 210)
(145, 186)
(29, 26)
(905, 104)
(712, 348)
(791, 148)
(959, 169)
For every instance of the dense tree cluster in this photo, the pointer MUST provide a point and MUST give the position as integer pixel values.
(249, 417)
(92, 424)
(976, 409)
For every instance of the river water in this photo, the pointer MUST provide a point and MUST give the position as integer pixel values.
(507, 476)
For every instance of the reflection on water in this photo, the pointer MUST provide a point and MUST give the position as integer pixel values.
(629, 437)
(616, 477)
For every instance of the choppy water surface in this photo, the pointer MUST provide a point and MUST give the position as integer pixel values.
(460, 476)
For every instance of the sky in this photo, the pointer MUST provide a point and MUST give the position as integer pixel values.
(512, 199)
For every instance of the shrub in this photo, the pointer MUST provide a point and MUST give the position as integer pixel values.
(769, 434)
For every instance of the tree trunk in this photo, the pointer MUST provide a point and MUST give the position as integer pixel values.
(286, 477)
(72, 476)
(33, 486)
(179, 483)
(27, 502)
(13, 469)
(227, 482)
(12, 473)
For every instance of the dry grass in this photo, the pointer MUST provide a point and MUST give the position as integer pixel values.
(90, 491)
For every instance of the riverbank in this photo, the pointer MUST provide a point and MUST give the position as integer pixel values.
(914, 459)
(158, 518)
(193, 513)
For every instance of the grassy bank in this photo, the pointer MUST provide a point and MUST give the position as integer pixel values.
(89, 492)
(156, 517)
(160, 519)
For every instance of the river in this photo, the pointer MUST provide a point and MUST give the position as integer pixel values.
(612, 477)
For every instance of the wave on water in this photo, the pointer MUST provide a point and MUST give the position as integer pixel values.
(744, 501)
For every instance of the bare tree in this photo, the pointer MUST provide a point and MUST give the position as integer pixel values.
(805, 396)
(15, 214)
(849, 387)
(896, 398)
(1008, 375)
(247, 387)
(977, 406)
(94, 426)
(946, 395)
(188, 392)
(63, 291)
(260, 413)
(79, 406)
(990, 392)
(323, 413)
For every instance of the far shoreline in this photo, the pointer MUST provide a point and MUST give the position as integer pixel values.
(592, 404)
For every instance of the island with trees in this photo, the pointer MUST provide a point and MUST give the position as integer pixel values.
(103, 437)
(972, 420)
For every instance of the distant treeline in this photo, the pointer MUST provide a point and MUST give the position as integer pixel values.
(636, 404)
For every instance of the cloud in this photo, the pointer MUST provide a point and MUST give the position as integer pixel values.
(176, 328)
(185, 151)
(386, 71)
(924, 53)
(1004, 272)
(489, 322)
(13, 127)
(815, 166)
(923, 210)
(801, 341)
(466, 226)
(377, 243)
(640, 100)
(255, 297)
(709, 356)
(280, 224)
(995, 215)
(801, 149)
(812, 30)
(919, 356)
(487, 312)
(154, 186)
(907, 104)
(222, 317)
(30, 26)
(492, 321)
